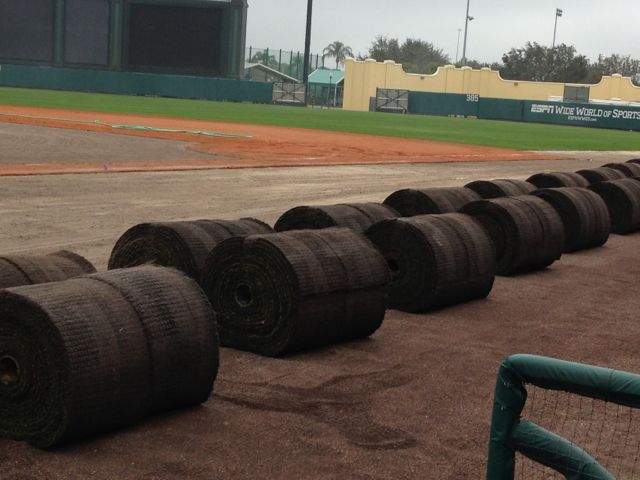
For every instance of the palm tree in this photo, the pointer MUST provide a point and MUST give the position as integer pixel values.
(339, 51)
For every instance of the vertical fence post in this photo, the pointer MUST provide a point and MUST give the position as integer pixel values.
(280, 61)
(250, 55)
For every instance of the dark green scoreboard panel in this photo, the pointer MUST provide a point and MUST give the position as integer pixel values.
(194, 37)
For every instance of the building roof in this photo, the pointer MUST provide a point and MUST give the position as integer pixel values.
(271, 71)
(324, 76)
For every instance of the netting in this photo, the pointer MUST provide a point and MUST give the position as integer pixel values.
(608, 432)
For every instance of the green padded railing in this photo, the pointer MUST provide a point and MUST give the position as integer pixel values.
(510, 433)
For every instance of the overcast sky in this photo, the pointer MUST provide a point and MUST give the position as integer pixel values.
(594, 27)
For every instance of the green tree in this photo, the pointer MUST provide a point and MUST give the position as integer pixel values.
(415, 55)
(265, 59)
(538, 63)
(623, 64)
(339, 51)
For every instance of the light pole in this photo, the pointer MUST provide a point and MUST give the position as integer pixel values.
(458, 45)
(559, 13)
(307, 50)
(467, 19)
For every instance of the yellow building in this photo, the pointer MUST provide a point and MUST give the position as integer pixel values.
(362, 78)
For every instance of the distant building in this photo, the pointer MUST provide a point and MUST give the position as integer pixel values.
(326, 87)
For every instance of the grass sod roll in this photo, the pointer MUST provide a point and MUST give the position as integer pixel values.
(99, 352)
(628, 169)
(601, 174)
(634, 160)
(622, 198)
(435, 260)
(183, 245)
(558, 180)
(357, 216)
(17, 270)
(527, 232)
(292, 291)
(411, 202)
(501, 188)
(584, 214)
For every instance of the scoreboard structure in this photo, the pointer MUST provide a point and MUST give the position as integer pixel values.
(189, 37)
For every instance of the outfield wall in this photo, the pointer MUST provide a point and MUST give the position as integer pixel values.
(561, 113)
(362, 78)
(133, 83)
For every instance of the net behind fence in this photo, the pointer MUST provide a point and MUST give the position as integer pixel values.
(608, 432)
(290, 63)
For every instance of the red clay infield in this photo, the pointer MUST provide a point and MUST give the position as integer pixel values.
(267, 147)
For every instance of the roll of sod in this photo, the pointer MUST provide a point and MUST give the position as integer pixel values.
(526, 231)
(17, 270)
(558, 180)
(357, 216)
(623, 201)
(411, 202)
(94, 353)
(181, 245)
(291, 291)
(601, 174)
(435, 260)
(628, 169)
(634, 160)
(501, 188)
(584, 214)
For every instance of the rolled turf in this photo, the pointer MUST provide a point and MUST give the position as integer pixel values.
(501, 188)
(623, 201)
(527, 232)
(584, 214)
(182, 245)
(411, 202)
(601, 174)
(558, 180)
(435, 260)
(357, 216)
(17, 270)
(94, 353)
(291, 291)
(629, 169)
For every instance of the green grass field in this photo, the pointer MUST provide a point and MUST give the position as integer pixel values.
(520, 136)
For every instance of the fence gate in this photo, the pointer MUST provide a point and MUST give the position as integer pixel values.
(289, 93)
(393, 101)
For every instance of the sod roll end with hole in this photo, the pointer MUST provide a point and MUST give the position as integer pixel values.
(183, 245)
(435, 260)
(526, 231)
(291, 291)
(99, 352)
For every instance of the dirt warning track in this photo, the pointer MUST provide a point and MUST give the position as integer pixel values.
(249, 145)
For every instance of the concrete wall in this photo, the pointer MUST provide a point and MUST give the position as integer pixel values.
(363, 77)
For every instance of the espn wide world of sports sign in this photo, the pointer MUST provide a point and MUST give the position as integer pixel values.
(604, 116)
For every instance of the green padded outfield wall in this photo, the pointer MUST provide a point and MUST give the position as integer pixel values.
(443, 104)
(583, 115)
(562, 113)
(134, 83)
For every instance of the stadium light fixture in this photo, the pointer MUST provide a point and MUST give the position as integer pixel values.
(559, 13)
(467, 19)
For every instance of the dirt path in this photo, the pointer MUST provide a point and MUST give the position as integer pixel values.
(266, 147)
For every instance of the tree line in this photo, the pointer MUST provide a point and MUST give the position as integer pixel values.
(533, 61)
